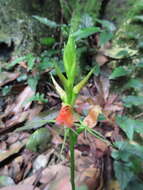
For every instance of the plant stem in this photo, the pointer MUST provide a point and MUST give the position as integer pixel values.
(72, 160)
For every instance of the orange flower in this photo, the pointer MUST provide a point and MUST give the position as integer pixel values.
(65, 116)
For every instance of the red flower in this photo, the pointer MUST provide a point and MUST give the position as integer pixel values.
(65, 116)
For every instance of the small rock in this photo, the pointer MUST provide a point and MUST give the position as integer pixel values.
(40, 162)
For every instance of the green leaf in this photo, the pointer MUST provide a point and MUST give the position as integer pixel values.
(127, 125)
(118, 72)
(85, 32)
(30, 61)
(130, 101)
(81, 84)
(33, 81)
(138, 126)
(135, 184)
(37, 97)
(6, 90)
(105, 37)
(46, 21)
(49, 41)
(61, 76)
(120, 53)
(70, 59)
(138, 18)
(97, 70)
(140, 64)
(40, 120)
(22, 77)
(127, 151)
(16, 61)
(39, 140)
(134, 83)
(59, 90)
(107, 24)
(123, 174)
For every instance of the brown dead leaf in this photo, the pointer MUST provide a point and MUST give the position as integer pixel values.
(83, 103)
(101, 59)
(22, 116)
(91, 119)
(20, 187)
(10, 152)
(101, 147)
(20, 104)
(54, 173)
(103, 86)
(18, 118)
(6, 77)
(13, 137)
(90, 177)
(114, 185)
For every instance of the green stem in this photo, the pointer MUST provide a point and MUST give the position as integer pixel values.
(72, 161)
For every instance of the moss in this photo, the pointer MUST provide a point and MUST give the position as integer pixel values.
(130, 31)
(17, 24)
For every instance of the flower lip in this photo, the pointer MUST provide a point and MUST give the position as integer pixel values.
(65, 116)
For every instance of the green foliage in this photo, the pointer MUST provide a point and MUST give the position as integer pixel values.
(6, 90)
(49, 41)
(134, 83)
(105, 37)
(37, 97)
(33, 81)
(85, 32)
(129, 126)
(30, 61)
(130, 101)
(128, 158)
(46, 21)
(123, 173)
(29, 58)
(121, 53)
(130, 30)
(119, 72)
(70, 92)
(16, 61)
(39, 140)
(108, 26)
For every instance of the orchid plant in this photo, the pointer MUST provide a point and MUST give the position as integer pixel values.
(68, 94)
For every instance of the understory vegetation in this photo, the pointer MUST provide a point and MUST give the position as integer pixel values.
(72, 114)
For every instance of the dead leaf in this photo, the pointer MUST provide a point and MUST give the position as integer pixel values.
(114, 185)
(101, 59)
(10, 152)
(91, 119)
(19, 104)
(6, 77)
(18, 118)
(83, 104)
(20, 187)
(90, 177)
(12, 138)
(22, 116)
(101, 147)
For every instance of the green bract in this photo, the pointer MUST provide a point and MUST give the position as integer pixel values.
(70, 91)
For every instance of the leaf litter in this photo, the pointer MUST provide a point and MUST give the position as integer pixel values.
(46, 168)
(46, 165)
